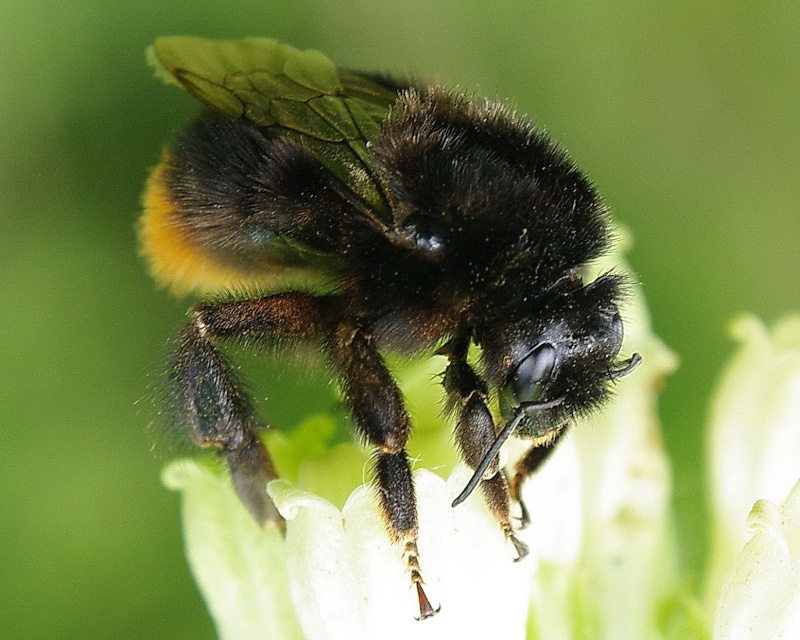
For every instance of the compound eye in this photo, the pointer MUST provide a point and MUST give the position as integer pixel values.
(533, 373)
(616, 326)
(616, 332)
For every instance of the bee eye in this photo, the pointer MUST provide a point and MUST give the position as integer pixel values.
(532, 374)
(616, 327)
(616, 333)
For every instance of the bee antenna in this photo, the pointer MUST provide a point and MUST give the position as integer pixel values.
(524, 409)
(628, 366)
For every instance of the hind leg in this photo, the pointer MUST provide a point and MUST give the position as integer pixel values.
(207, 398)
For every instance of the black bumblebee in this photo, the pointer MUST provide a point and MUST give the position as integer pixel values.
(363, 214)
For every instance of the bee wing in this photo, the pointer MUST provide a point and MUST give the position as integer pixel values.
(295, 93)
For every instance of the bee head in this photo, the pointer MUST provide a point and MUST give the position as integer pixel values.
(556, 361)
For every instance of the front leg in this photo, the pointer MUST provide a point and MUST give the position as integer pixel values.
(526, 466)
(475, 434)
(380, 416)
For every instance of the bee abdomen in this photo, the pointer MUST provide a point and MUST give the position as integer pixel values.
(230, 207)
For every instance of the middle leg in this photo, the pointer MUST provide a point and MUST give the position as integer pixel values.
(380, 417)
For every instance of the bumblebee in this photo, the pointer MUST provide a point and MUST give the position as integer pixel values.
(361, 215)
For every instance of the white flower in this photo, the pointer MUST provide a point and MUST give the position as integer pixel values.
(761, 595)
(338, 570)
(754, 437)
(350, 582)
(239, 567)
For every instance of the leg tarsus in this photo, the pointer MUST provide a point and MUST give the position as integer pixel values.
(251, 471)
(411, 555)
(520, 547)
(533, 459)
(515, 488)
(495, 491)
(524, 515)
(426, 609)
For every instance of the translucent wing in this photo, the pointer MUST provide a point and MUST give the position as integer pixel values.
(294, 93)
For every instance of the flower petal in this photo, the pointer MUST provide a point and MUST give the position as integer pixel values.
(630, 560)
(761, 595)
(238, 566)
(754, 440)
(349, 581)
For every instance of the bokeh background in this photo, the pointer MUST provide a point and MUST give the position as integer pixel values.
(685, 114)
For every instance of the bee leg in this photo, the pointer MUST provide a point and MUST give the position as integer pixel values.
(206, 398)
(475, 434)
(380, 416)
(527, 466)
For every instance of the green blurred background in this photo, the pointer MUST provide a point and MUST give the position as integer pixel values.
(685, 114)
